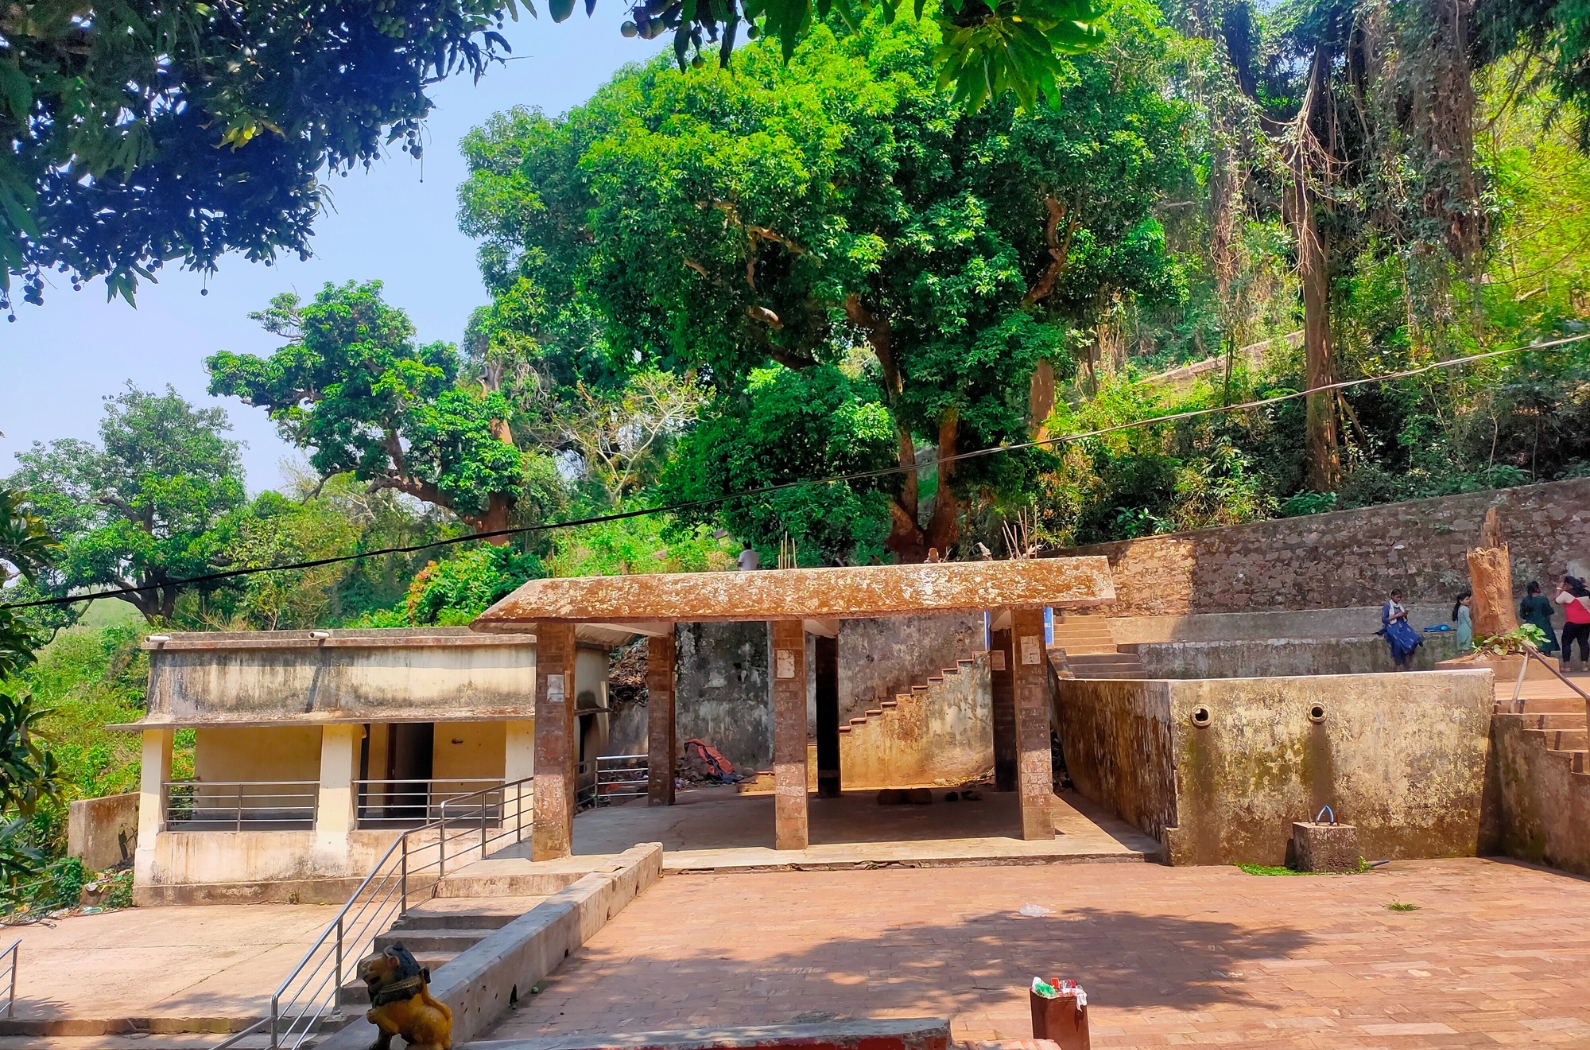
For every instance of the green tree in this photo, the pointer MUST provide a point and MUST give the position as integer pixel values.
(149, 505)
(142, 132)
(837, 204)
(29, 774)
(351, 386)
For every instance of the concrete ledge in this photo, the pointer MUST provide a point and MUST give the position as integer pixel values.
(907, 1033)
(85, 1027)
(482, 982)
(288, 891)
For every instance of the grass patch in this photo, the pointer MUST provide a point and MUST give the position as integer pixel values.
(1272, 869)
(1399, 906)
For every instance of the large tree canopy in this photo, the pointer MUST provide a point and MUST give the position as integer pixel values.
(351, 386)
(136, 133)
(147, 506)
(839, 207)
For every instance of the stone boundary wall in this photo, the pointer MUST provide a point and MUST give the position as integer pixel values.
(1348, 557)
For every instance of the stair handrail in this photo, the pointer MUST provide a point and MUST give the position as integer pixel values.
(386, 889)
(12, 950)
(1531, 652)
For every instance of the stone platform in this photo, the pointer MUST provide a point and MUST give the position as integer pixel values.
(716, 829)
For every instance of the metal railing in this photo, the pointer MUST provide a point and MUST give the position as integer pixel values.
(230, 804)
(1531, 653)
(410, 803)
(308, 999)
(609, 778)
(11, 975)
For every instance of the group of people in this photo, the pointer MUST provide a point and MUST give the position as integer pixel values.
(1572, 595)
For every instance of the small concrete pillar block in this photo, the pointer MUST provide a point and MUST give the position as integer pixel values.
(1325, 847)
(1034, 763)
(661, 746)
(789, 735)
(552, 836)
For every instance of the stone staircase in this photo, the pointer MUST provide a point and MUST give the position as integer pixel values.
(920, 737)
(438, 931)
(1090, 649)
(1560, 722)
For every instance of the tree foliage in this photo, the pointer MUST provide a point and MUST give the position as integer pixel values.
(837, 204)
(147, 506)
(140, 132)
(351, 386)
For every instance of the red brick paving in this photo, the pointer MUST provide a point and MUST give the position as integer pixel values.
(1497, 954)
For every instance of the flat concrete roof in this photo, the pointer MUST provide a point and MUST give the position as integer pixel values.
(791, 594)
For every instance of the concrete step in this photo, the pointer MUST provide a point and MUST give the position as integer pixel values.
(463, 913)
(1566, 739)
(1547, 704)
(1555, 721)
(355, 992)
(434, 940)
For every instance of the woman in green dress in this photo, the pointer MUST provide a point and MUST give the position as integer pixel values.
(1464, 620)
(1536, 609)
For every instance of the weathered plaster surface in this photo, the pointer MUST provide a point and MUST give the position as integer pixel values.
(856, 591)
(98, 827)
(1537, 805)
(722, 691)
(882, 657)
(262, 678)
(1401, 756)
(943, 733)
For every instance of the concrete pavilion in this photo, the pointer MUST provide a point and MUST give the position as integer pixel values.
(795, 602)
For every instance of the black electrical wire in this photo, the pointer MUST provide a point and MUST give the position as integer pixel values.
(861, 475)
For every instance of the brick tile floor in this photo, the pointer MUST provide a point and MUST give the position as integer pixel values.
(1496, 954)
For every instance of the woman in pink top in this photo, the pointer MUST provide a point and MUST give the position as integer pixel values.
(1575, 601)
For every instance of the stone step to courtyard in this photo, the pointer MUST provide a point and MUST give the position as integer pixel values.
(1535, 705)
(1116, 665)
(1563, 739)
(437, 931)
(1562, 720)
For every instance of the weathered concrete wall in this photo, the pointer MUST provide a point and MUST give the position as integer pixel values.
(1537, 805)
(883, 657)
(1401, 756)
(1281, 657)
(102, 832)
(1348, 558)
(247, 867)
(1116, 738)
(722, 691)
(943, 734)
(264, 677)
(259, 756)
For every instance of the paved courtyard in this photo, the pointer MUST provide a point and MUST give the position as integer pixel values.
(1496, 953)
(161, 967)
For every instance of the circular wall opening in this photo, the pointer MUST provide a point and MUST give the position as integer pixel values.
(1316, 713)
(1200, 716)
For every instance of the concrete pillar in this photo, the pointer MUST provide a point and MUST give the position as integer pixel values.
(151, 802)
(555, 743)
(1035, 771)
(826, 658)
(789, 735)
(1002, 697)
(336, 813)
(518, 764)
(661, 745)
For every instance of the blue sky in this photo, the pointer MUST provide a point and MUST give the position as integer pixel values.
(59, 360)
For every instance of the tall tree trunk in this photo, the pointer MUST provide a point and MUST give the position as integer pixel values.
(1313, 271)
(906, 538)
(943, 528)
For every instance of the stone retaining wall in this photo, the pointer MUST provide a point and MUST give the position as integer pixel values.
(1350, 557)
